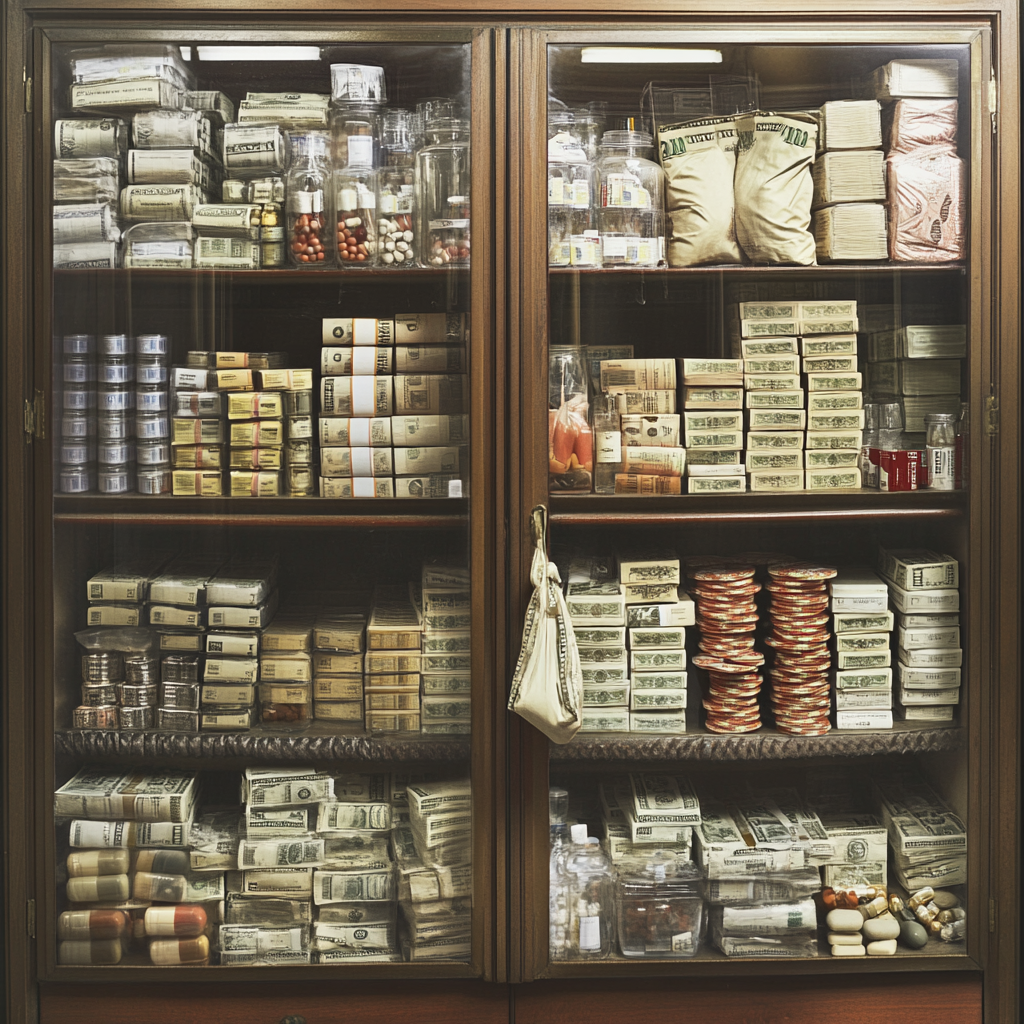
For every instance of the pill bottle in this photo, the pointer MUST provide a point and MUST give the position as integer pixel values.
(443, 192)
(114, 453)
(940, 448)
(151, 345)
(591, 902)
(77, 453)
(154, 480)
(354, 192)
(79, 344)
(153, 453)
(306, 188)
(114, 345)
(607, 441)
(571, 188)
(396, 192)
(115, 369)
(115, 398)
(116, 479)
(631, 217)
(79, 369)
(115, 426)
(77, 426)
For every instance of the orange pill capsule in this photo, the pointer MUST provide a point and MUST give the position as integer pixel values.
(185, 921)
(85, 925)
(167, 952)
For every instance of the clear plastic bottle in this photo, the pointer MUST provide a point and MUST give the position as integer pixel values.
(443, 196)
(940, 446)
(591, 901)
(571, 190)
(607, 441)
(659, 907)
(631, 217)
(869, 440)
(306, 192)
(558, 880)
(355, 196)
(396, 192)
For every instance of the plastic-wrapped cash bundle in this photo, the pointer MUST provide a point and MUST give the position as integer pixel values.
(436, 893)
(340, 641)
(713, 425)
(393, 661)
(119, 77)
(446, 607)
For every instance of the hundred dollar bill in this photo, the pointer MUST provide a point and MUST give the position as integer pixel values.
(428, 797)
(852, 419)
(731, 439)
(284, 821)
(663, 799)
(707, 397)
(936, 831)
(461, 727)
(863, 642)
(717, 485)
(446, 683)
(347, 954)
(648, 835)
(828, 459)
(757, 348)
(655, 700)
(815, 325)
(837, 345)
(829, 363)
(659, 659)
(848, 875)
(775, 440)
(442, 708)
(868, 659)
(254, 938)
(834, 381)
(712, 421)
(862, 622)
(777, 480)
(605, 675)
(372, 935)
(440, 883)
(659, 680)
(111, 834)
(356, 853)
(777, 364)
(817, 439)
(713, 457)
(939, 874)
(168, 796)
(834, 401)
(602, 656)
(98, 137)
(861, 679)
(777, 419)
(440, 949)
(283, 853)
(348, 886)
(768, 310)
(268, 958)
(663, 722)
(608, 636)
(606, 696)
(647, 638)
(771, 381)
(125, 95)
(781, 327)
(268, 912)
(446, 663)
(604, 720)
(645, 593)
(696, 369)
(446, 909)
(770, 460)
(792, 398)
(446, 602)
(832, 479)
(448, 622)
(284, 787)
(433, 830)
(764, 823)
(335, 817)
(294, 883)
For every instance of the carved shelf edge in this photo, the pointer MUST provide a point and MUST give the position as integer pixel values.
(100, 744)
(767, 745)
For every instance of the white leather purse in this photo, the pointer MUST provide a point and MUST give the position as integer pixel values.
(547, 688)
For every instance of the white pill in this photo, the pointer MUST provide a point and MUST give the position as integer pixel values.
(407, 236)
(382, 226)
(849, 951)
(883, 947)
(399, 257)
(388, 258)
(402, 246)
(844, 939)
(353, 222)
(390, 246)
(844, 920)
(883, 927)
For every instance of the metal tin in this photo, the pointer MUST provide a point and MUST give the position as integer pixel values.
(115, 453)
(299, 480)
(299, 452)
(151, 398)
(140, 669)
(177, 720)
(199, 359)
(79, 344)
(77, 480)
(151, 344)
(79, 397)
(77, 425)
(298, 403)
(152, 426)
(115, 370)
(116, 398)
(299, 427)
(153, 453)
(137, 717)
(99, 695)
(179, 695)
(95, 718)
(156, 480)
(115, 479)
(179, 668)
(151, 370)
(114, 426)
(77, 453)
(232, 190)
(138, 695)
(79, 370)
(271, 253)
(114, 345)
(103, 667)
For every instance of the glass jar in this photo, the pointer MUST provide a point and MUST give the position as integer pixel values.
(571, 178)
(659, 907)
(631, 213)
(443, 196)
(940, 446)
(591, 902)
(607, 441)
(396, 192)
(306, 190)
(355, 198)
(570, 437)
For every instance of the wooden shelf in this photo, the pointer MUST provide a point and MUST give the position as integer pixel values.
(360, 513)
(612, 509)
(331, 276)
(764, 745)
(147, 746)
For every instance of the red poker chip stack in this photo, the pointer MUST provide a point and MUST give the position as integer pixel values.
(799, 673)
(727, 620)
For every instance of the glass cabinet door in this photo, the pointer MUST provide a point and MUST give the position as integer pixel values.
(755, 289)
(266, 665)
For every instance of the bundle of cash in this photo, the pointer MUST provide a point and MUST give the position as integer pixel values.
(850, 124)
(850, 230)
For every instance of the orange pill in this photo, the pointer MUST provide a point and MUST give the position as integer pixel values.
(184, 921)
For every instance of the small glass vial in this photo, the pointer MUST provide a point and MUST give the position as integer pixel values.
(607, 442)
(940, 446)
(443, 183)
(306, 188)
(591, 902)
(631, 218)
(356, 200)
(396, 192)
(869, 440)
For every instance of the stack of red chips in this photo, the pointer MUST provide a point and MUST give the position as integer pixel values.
(727, 620)
(799, 672)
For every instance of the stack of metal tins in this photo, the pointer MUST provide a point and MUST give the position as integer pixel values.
(115, 401)
(152, 415)
(198, 429)
(78, 421)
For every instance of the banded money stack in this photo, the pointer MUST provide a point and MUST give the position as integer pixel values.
(849, 183)
(340, 640)
(625, 836)
(862, 626)
(713, 414)
(651, 460)
(923, 592)
(435, 882)
(391, 682)
(394, 406)
(446, 641)
(286, 672)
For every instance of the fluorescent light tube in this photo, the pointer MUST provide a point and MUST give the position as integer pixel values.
(648, 55)
(288, 53)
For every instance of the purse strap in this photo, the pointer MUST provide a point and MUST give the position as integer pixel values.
(543, 573)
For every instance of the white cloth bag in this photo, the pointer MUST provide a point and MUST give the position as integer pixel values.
(547, 688)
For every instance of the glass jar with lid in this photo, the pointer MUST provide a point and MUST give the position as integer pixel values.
(571, 188)
(570, 435)
(659, 907)
(940, 446)
(631, 213)
(443, 184)
(396, 191)
(306, 193)
(356, 200)
(591, 900)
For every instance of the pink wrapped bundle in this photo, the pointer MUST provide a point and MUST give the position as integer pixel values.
(911, 124)
(927, 205)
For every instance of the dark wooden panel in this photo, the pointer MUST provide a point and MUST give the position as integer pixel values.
(468, 1002)
(911, 999)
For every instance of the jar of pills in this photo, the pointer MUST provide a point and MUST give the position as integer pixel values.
(630, 211)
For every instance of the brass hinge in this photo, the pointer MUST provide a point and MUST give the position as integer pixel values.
(992, 415)
(28, 90)
(991, 915)
(30, 918)
(993, 101)
(35, 417)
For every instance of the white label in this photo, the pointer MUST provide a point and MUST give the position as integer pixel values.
(454, 488)
(361, 460)
(388, 204)
(364, 396)
(941, 468)
(609, 446)
(363, 487)
(348, 200)
(556, 191)
(614, 247)
(580, 196)
(360, 151)
(590, 933)
(682, 943)
(359, 432)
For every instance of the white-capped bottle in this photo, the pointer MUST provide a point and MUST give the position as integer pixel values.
(591, 900)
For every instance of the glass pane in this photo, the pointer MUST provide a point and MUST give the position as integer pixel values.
(260, 308)
(758, 330)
